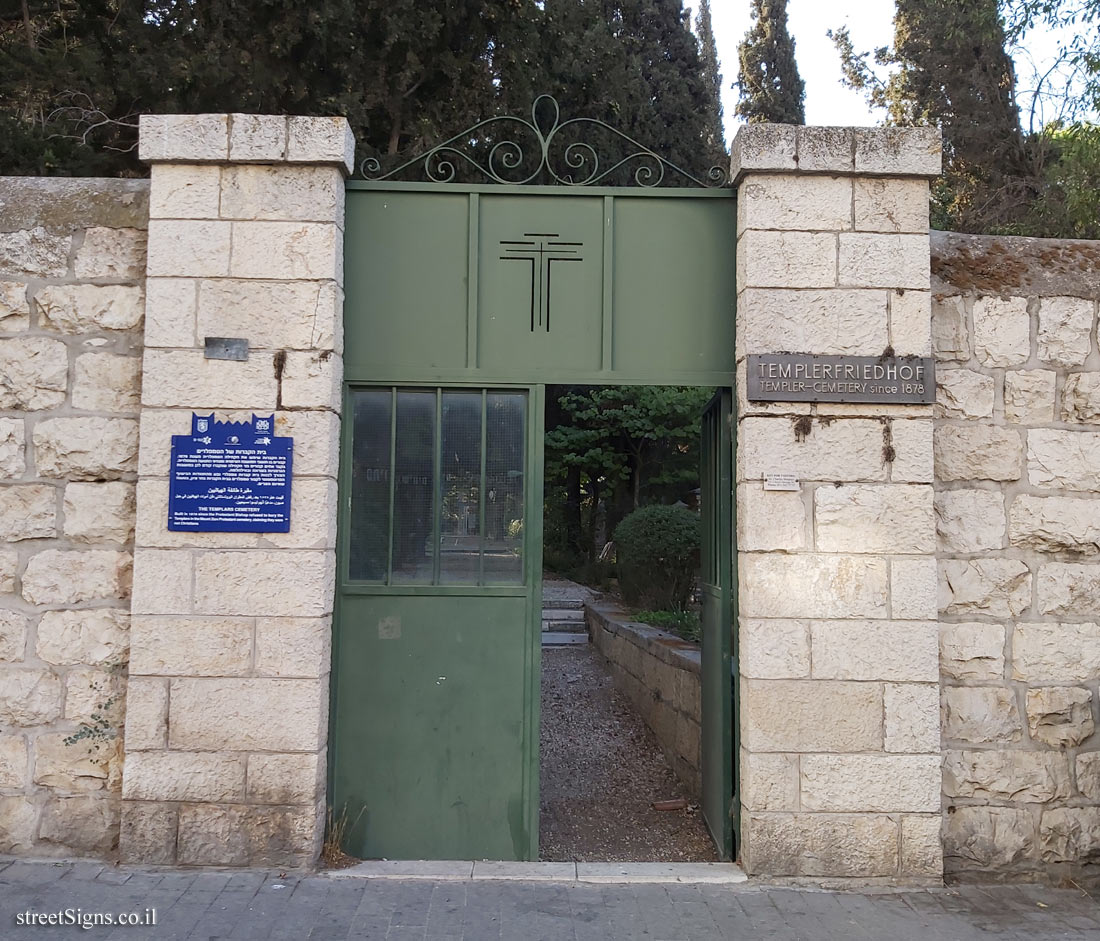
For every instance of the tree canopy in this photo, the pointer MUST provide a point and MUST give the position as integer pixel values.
(769, 84)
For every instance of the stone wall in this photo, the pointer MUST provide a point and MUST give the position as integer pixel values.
(659, 674)
(72, 269)
(1017, 452)
(839, 694)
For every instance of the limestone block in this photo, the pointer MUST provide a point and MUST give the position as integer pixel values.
(170, 305)
(768, 781)
(774, 648)
(312, 380)
(1081, 398)
(981, 714)
(877, 783)
(1068, 588)
(1006, 775)
(825, 148)
(1000, 588)
(283, 193)
(86, 448)
(770, 519)
(893, 151)
(891, 205)
(13, 762)
(183, 137)
(285, 779)
(911, 323)
(1069, 835)
(15, 309)
(970, 520)
(87, 308)
(189, 248)
(764, 147)
(152, 531)
(288, 250)
(782, 201)
(1060, 716)
(33, 373)
(1065, 330)
(28, 511)
(13, 635)
(100, 636)
(987, 837)
(814, 586)
(1069, 460)
(320, 140)
(247, 714)
(785, 716)
(29, 697)
(309, 312)
(963, 393)
(107, 382)
(977, 452)
(99, 512)
(922, 845)
(293, 646)
(1088, 775)
(1029, 396)
(162, 582)
(95, 694)
(186, 377)
(821, 321)
(163, 646)
(86, 826)
(1056, 653)
(972, 652)
(59, 577)
(1002, 331)
(146, 714)
(895, 518)
(34, 253)
(9, 563)
(1055, 524)
(950, 335)
(913, 589)
(912, 717)
(77, 766)
(111, 253)
(18, 825)
(850, 845)
(258, 583)
(184, 191)
(12, 459)
(213, 835)
(913, 455)
(257, 137)
(786, 260)
(147, 834)
(845, 450)
(879, 260)
(186, 776)
(875, 650)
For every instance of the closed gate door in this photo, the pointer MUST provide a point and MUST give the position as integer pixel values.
(433, 702)
(719, 805)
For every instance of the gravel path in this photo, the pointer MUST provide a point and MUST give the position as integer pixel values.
(601, 769)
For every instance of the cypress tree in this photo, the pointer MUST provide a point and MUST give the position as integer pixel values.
(770, 86)
(714, 133)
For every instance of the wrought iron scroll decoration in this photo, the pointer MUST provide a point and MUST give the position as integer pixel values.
(441, 162)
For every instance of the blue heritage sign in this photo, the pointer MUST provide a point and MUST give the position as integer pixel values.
(230, 477)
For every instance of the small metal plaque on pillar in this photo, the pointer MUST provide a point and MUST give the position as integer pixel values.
(805, 377)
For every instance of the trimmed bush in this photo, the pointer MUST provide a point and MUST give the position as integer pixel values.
(657, 548)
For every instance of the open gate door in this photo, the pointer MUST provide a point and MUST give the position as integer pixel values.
(717, 617)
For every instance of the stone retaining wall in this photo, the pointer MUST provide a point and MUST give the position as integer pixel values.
(1017, 451)
(72, 270)
(659, 673)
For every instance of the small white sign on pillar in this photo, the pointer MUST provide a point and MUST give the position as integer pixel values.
(781, 482)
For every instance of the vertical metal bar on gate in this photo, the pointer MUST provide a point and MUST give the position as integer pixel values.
(482, 489)
(393, 483)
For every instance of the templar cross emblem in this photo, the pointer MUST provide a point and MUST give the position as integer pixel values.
(540, 250)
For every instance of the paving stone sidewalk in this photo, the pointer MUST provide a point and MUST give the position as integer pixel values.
(253, 904)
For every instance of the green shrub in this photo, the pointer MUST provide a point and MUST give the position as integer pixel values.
(685, 624)
(657, 549)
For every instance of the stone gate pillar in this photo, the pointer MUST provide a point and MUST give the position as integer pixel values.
(840, 740)
(226, 719)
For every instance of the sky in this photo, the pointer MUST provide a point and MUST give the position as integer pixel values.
(871, 25)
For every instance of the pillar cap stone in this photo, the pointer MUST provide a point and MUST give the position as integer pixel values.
(246, 138)
(856, 151)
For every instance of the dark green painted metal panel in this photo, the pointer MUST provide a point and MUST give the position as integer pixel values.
(717, 617)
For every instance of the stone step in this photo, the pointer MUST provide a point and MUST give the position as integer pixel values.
(566, 627)
(553, 601)
(563, 614)
(563, 638)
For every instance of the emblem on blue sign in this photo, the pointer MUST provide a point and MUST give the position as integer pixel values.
(230, 477)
